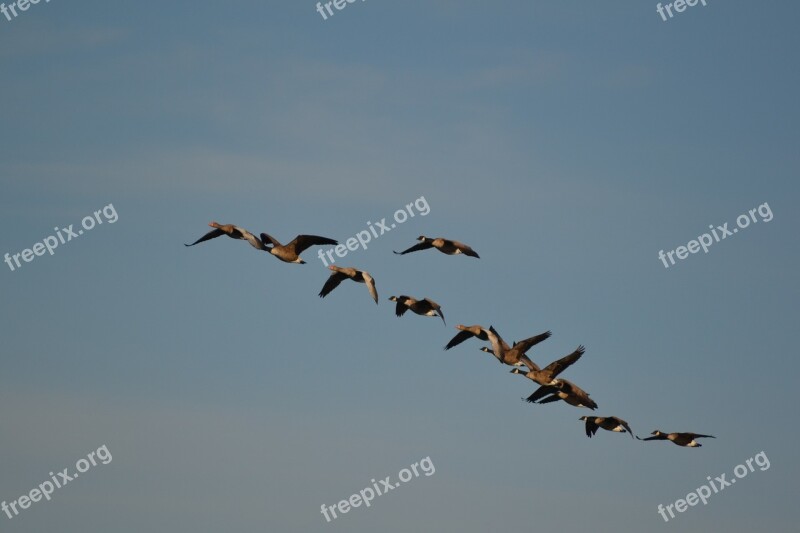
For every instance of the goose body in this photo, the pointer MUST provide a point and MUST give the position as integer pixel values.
(446, 246)
(424, 307)
(290, 253)
(609, 423)
(339, 274)
(688, 440)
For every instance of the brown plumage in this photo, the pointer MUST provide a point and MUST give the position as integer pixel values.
(446, 246)
(339, 274)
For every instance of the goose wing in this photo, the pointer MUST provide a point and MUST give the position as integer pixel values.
(401, 307)
(540, 393)
(459, 337)
(435, 307)
(557, 367)
(466, 250)
(370, 281)
(624, 424)
(699, 436)
(254, 241)
(332, 282)
(303, 242)
(527, 344)
(272, 240)
(208, 236)
(497, 343)
(591, 427)
(417, 247)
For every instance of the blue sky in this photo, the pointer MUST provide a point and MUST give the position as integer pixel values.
(566, 142)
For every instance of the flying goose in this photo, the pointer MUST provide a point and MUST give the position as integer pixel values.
(561, 389)
(425, 307)
(681, 439)
(515, 356)
(609, 423)
(340, 274)
(290, 253)
(234, 232)
(548, 375)
(445, 246)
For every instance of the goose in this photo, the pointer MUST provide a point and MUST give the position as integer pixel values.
(609, 423)
(234, 232)
(561, 389)
(515, 356)
(290, 253)
(548, 375)
(681, 439)
(445, 246)
(424, 307)
(340, 274)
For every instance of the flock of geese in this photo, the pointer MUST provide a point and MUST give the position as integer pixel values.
(551, 387)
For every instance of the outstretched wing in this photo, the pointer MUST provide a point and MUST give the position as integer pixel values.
(527, 344)
(333, 281)
(541, 392)
(417, 247)
(497, 344)
(699, 436)
(460, 337)
(625, 425)
(503, 343)
(401, 308)
(303, 242)
(254, 241)
(549, 399)
(557, 367)
(370, 285)
(272, 240)
(466, 250)
(208, 236)
(591, 427)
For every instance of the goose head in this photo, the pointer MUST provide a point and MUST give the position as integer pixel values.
(487, 350)
(657, 433)
(392, 298)
(515, 370)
